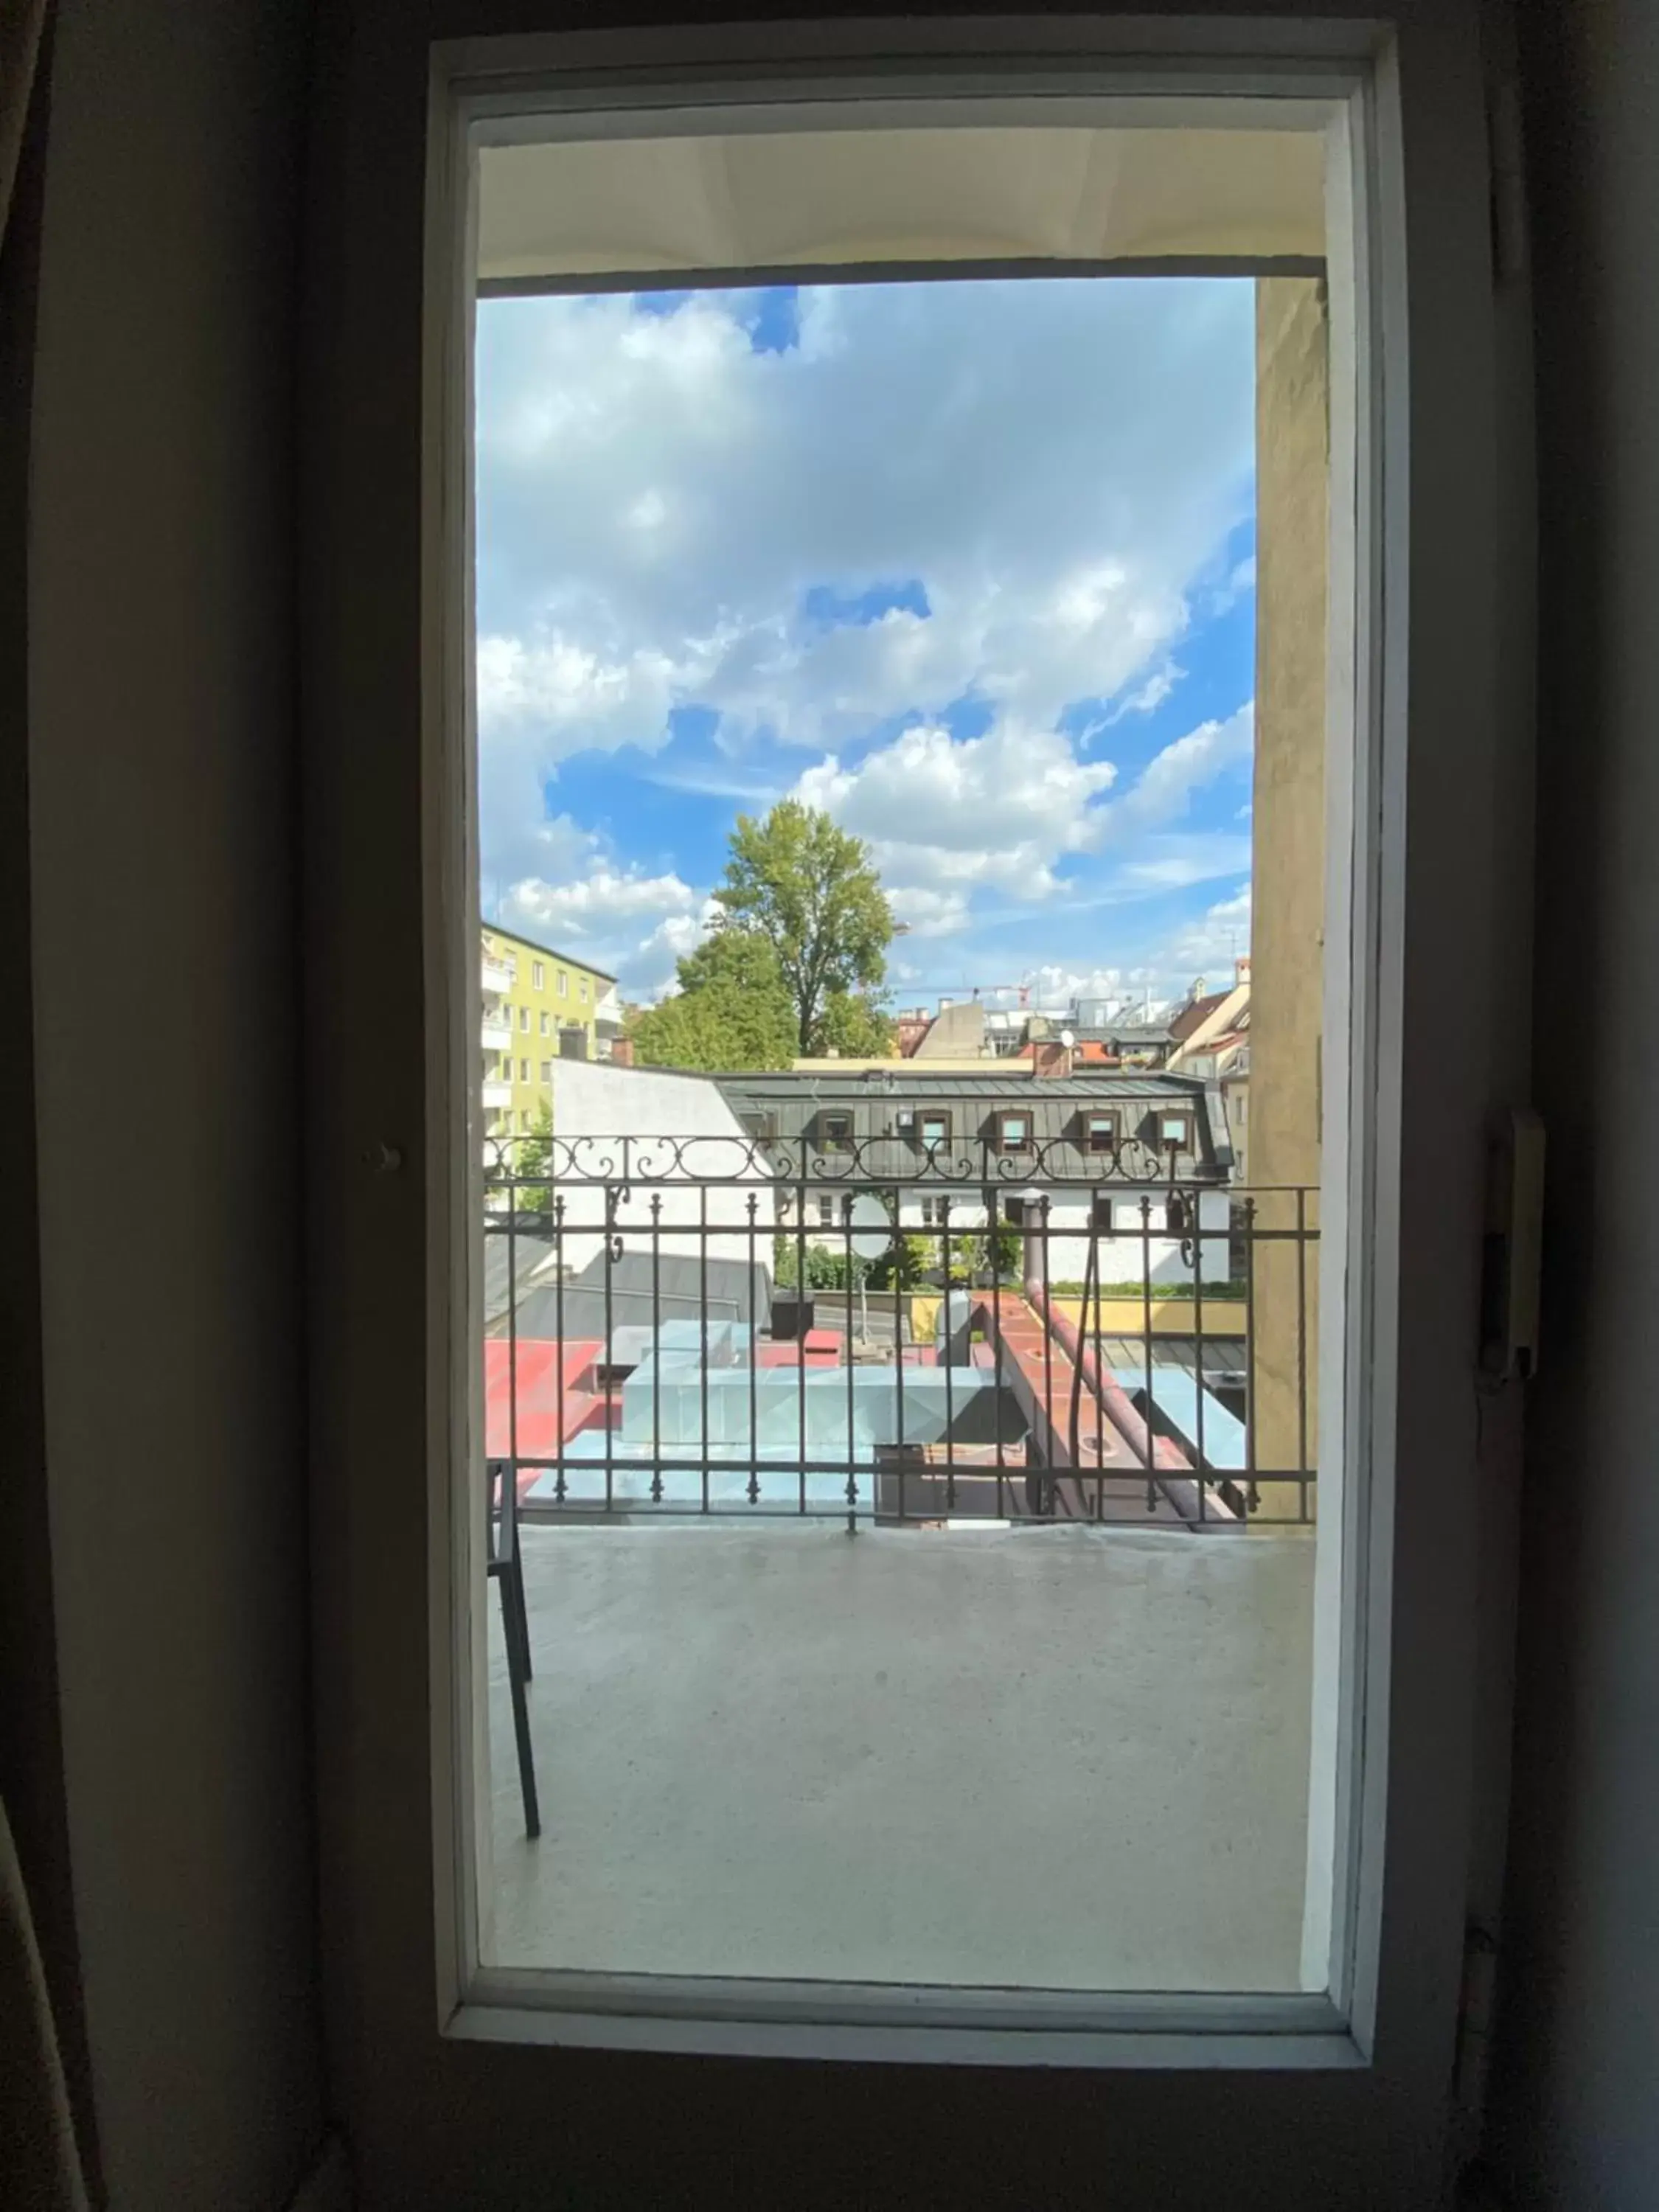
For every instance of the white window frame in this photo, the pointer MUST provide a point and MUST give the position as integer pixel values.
(1356, 66)
(537, 975)
(564, 983)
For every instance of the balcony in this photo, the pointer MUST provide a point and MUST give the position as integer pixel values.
(497, 1093)
(901, 1606)
(496, 976)
(496, 1032)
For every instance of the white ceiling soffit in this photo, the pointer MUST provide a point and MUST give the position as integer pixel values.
(624, 206)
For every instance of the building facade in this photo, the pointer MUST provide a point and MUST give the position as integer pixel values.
(1138, 1167)
(539, 1007)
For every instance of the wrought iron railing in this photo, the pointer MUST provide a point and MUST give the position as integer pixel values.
(722, 1326)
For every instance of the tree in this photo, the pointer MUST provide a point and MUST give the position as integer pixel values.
(730, 1010)
(809, 890)
(903, 1264)
(530, 1158)
(856, 1026)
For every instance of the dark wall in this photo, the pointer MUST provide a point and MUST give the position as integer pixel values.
(1574, 2112)
(160, 921)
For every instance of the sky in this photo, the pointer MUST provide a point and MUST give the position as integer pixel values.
(968, 565)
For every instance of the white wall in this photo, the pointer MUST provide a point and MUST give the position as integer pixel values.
(596, 1103)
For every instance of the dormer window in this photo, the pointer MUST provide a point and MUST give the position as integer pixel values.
(1100, 1133)
(834, 1132)
(1175, 1133)
(932, 1128)
(1014, 1133)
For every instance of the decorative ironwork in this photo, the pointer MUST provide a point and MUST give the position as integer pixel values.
(623, 1162)
(713, 1325)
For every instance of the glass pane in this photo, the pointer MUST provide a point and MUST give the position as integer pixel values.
(903, 702)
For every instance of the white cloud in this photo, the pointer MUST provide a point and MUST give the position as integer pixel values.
(632, 923)
(1147, 696)
(1165, 787)
(1054, 462)
(1209, 946)
(998, 812)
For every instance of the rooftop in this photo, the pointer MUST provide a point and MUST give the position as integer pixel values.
(999, 1079)
(551, 951)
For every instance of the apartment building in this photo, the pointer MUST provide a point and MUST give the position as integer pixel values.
(539, 1005)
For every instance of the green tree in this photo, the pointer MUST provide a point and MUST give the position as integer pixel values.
(857, 1026)
(904, 1263)
(730, 1010)
(810, 890)
(530, 1157)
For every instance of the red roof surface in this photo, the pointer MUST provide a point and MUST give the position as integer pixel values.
(544, 1420)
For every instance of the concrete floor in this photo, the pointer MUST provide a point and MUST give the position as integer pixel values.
(1071, 1759)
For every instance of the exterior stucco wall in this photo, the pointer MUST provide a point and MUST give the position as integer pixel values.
(1287, 927)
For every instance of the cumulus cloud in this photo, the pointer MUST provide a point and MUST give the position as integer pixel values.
(625, 920)
(1208, 946)
(998, 810)
(1052, 463)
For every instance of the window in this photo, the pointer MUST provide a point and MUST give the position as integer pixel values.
(1013, 1211)
(826, 1210)
(1175, 1133)
(524, 1118)
(547, 1022)
(1013, 1132)
(935, 1213)
(581, 989)
(524, 1071)
(935, 1133)
(537, 975)
(834, 1132)
(1101, 1133)
(506, 1015)
(506, 1067)
(564, 984)
(547, 1071)
(757, 1122)
(1101, 1215)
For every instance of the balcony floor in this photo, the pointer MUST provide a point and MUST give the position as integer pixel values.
(1072, 1759)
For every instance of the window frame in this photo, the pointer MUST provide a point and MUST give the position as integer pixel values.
(1181, 2032)
(1113, 1144)
(832, 1142)
(924, 1115)
(1027, 1143)
(1182, 1114)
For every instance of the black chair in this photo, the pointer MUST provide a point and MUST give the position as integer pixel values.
(504, 1565)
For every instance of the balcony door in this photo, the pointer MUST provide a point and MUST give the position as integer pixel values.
(830, 1640)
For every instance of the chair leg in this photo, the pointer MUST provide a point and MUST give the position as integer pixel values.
(515, 1576)
(516, 1636)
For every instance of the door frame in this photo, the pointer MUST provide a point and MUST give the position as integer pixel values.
(1428, 1069)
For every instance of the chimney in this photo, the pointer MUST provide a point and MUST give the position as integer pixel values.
(621, 1052)
(1050, 1058)
(1242, 968)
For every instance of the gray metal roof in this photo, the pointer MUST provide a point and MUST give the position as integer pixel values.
(914, 1081)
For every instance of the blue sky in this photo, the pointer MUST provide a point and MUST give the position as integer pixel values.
(968, 565)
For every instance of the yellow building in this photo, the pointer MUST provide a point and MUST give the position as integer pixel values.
(537, 1005)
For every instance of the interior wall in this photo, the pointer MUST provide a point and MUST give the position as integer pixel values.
(162, 830)
(1574, 2119)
